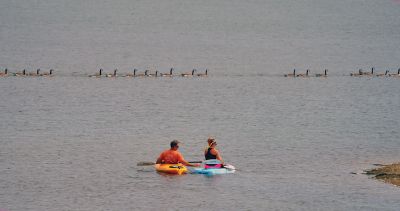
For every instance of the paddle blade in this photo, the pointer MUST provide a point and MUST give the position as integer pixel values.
(230, 167)
(145, 163)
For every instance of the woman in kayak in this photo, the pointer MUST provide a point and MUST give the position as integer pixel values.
(172, 156)
(212, 153)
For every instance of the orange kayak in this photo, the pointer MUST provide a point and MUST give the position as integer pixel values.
(171, 168)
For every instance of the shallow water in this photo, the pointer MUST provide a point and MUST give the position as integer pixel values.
(70, 142)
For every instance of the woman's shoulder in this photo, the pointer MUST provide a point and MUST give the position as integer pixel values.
(214, 150)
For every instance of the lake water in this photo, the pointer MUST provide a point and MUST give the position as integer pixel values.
(71, 142)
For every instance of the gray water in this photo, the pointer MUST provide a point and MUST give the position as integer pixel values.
(71, 142)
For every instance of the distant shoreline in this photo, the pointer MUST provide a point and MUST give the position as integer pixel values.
(387, 173)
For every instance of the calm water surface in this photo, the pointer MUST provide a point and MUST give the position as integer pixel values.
(71, 142)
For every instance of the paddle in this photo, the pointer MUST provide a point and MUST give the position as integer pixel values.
(230, 167)
(144, 163)
(213, 161)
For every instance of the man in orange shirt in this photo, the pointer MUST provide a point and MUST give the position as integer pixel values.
(172, 156)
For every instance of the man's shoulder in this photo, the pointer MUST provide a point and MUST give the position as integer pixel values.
(164, 152)
(169, 151)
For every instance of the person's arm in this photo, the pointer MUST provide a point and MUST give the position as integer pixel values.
(184, 162)
(216, 153)
(160, 159)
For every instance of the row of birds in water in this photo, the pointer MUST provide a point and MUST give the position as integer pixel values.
(359, 73)
(101, 73)
(25, 73)
(148, 73)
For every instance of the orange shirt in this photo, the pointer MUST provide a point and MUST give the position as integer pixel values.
(171, 157)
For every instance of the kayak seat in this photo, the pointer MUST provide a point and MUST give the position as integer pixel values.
(212, 166)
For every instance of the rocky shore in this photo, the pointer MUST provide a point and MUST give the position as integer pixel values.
(387, 173)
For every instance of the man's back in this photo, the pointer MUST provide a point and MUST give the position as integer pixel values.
(171, 156)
